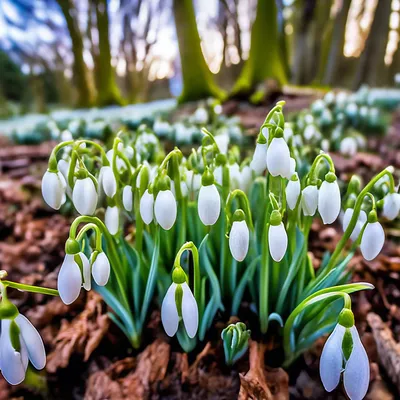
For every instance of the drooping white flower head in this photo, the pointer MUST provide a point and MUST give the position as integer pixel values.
(127, 198)
(277, 237)
(209, 204)
(14, 362)
(146, 207)
(391, 206)
(53, 189)
(278, 157)
(200, 116)
(63, 167)
(172, 313)
(101, 269)
(84, 196)
(111, 219)
(108, 182)
(239, 240)
(361, 220)
(235, 176)
(329, 201)
(309, 200)
(293, 191)
(246, 178)
(259, 162)
(348, 147)
(222, 142)
(372, 240)
(165, 209)
(193, 181)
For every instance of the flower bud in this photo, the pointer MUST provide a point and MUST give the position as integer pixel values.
(239, 240)
(292, 192)
(101, 269)
(259, 161)
(53, 189)
(84, 196)
(278, 158)
(127, 198)
(372, 240)
(165, 209)
(111, 219)
(277, 237)
(391, 206)
(69, 281)
(146, 207)
(309, 200)
(329, 201)
(209, 204)
(108, 182)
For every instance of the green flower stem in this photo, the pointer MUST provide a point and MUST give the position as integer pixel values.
(244, 203)
(175, 152)
(104, 159)
(357, 208)
(211, 136)
(96, 229)
(264, 281)
(53, 155)
(268, 118)
(30, 288)
(72, 165)
(317, 160)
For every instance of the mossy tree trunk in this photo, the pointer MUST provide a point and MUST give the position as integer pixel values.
(265, 58)
(80, 72)
(198, 81)
(107, 90)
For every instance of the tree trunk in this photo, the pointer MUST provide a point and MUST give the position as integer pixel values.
(265, 59)
(372, 61)
(198, 81)
(80, 73)
(108, 91)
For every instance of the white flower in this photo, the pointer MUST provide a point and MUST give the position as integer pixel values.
(119, 162)
(70, 280)
(127, 198)
(235, 176)
(200, 116)
(259, 162)
(348, 147)
(53, 189)
(372, 240)
(245, 178)
(361, 220)
(309, 200)
(209, 204)
(218, 174)
(63, 167)
(292, 192)
(165, 209)
(13, 362)
(239, 240)
(391, 206)
(189, 311)
(222, 143)
(277, 241)
(278, 158)
(84, 196)
(329, 201)
(309, 132)
(111, 219)
(193, 181)
(101, 269)
(146, 207)
(356, 371)
(108, 181)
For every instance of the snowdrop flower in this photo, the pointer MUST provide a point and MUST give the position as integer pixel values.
(373, 238)
(209, 202)
(53, 189)
(84, 196)
(222, 143)
(108, 181)
(235, 176)
(309, 132)
(100, 268)
(70, 281)
(287, 131)
(259, 162)
(277, 237)
(246, 178)
(348, 147)
(110, 155)
(179, 304)
(309, 200)
(337, 351)
(14, 361)
(165, 209)
(278, 157)
(146, 207)
(193, 181)
(352, 110)
(239, 237)
(111, 219)
(127, 198)
(293, 191)
(200, 116)
(361, 220)
(391, 206)
(63, 167)
(329, 199)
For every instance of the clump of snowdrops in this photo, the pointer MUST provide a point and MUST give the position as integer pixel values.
(211, 233)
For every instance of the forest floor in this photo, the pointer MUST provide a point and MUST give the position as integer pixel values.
(88, 357)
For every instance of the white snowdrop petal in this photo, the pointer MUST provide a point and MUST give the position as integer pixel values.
(127, 198)
(33, 341)
(109, 182)
(63, 167)
(190, 312)
(348, 147)
(146, 207)
(278, 241)
(13, 366)
(309, 200)
(169, 312)
(111, 219)
(372, 240)
(53, 189)
(222, 143)
(235, 176)
(246, 178)
(292, 193)
(69, 280)
(239, 240)
(87, 283)
(84, 196)
(101, 269)
(362, 219)
(165, 209)
(391, 206)
(209, 204)
(330, 365)
(259, 161)
(356, 373)
(278, 158)
(329, 201)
